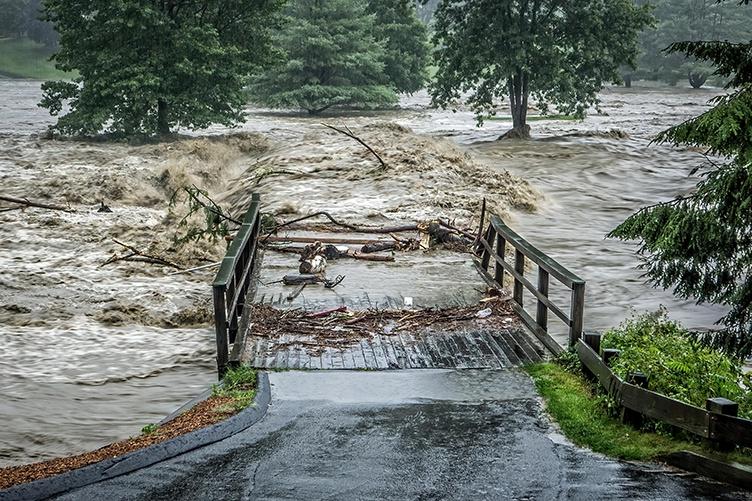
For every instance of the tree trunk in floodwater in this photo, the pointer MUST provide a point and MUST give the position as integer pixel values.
(163, 123)
(518, 96)
(627, 80)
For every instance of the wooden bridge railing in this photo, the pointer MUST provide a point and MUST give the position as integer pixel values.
(718, 422)
(493, 246)
(232, 282)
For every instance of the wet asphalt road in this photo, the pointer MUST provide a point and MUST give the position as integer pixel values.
(420, 434)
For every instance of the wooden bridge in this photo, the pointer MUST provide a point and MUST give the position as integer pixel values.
(439, 309)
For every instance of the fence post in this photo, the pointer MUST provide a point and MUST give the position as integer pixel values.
(519, 267)
(501, 245)
(593, 339)
(577, 312)
(490, 235)
(720, 406)
(541, 315)
(630, 416)
(220, 329)
(609, 355)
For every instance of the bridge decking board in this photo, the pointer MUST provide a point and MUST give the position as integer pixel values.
(472, 349)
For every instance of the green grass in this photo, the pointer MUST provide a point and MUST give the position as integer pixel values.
(538, 118)
(24, 58)
(239, 384)
(583, 418)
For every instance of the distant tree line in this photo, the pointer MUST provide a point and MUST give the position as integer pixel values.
(22, 19)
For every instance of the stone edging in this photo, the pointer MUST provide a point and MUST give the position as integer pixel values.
(110, 468)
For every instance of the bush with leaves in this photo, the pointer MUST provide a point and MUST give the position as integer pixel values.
(676, 364)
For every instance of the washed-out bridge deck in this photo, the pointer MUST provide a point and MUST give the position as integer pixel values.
(435, 309)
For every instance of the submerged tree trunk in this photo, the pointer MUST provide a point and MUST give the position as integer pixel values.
(163, 122)
(696, 80)
(518, 96)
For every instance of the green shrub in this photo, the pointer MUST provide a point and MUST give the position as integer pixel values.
(676, 364)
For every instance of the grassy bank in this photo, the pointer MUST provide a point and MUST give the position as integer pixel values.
(236, 392)
(24, 58)
(583, 417)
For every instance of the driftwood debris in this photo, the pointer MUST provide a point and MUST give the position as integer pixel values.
(25, 202)
(135, 255)
(350, 134)
(332, 252)
(351, 227)
(308, 279)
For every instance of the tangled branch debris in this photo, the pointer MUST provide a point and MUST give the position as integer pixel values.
(350, 134)
(215, 218)
(339, 327)
(135, 255)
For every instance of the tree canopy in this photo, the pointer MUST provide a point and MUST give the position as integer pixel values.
(683, 20)
(150, 67)
(406, 43)
(560, 53)
(346, 53)
(701, 244)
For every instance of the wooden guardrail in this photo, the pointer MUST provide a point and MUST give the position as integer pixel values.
(493, 246)
(717, 422)
(232, 283)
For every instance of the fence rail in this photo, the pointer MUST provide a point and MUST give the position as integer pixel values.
(233, 282)
(493, 245)
(717, 422)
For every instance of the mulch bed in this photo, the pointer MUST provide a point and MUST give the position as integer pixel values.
(341, 328)
(204, 414)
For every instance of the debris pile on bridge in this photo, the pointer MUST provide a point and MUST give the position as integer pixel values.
(339, 327)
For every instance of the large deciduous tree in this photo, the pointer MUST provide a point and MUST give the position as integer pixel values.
(333, 60)
(406, 43)
(701, 244)
(152, 66)
(558, 52)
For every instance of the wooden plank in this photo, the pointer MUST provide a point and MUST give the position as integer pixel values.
(657, 406)
(730, 429)
(598, 368)
(496, 349)
(577, 315)
(485, 354)
(444, 350)
(526, 346)
(429, 347)
(543, 336)
(399, 349)
(368, 354)
(541, 315)
(730, 473)
(359, 360)
(502, 341)
(409, 353)
(389, 353)
(457, 351)
(423, 356)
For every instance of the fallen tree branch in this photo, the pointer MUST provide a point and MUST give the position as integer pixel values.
(29, 203)
(137, 256)
(352, 227)
(350, 134)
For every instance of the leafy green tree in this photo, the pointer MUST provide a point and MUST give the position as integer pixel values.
(701, 244)
(560, 53)
(688, 20)
(150, 66)
(332, 60)
(406, 43)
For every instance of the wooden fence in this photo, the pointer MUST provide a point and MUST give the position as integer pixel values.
(493, 246)
(233, 282)
(717, 422)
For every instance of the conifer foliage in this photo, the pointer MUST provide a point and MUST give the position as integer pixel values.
(701, 244)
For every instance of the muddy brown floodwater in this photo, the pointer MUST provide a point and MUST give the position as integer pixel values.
(89, 354)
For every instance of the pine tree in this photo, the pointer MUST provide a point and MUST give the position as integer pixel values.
(701, 244)
(406, 43)
(333, 60)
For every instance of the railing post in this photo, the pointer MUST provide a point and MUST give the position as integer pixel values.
(519, 267)
(720, 406)
(490, 235)
(541, 316)
(220, 329)
(501, 246)
(577, 312)
(630, 416)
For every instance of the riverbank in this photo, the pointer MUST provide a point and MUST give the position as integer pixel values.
(24, 58)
